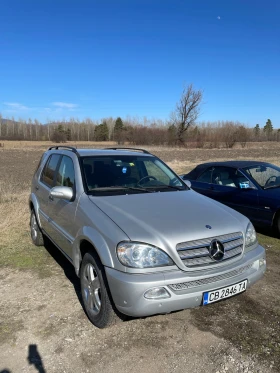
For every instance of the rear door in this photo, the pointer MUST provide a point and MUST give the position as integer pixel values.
(43, 187)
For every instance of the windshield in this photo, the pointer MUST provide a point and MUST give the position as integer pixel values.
(107, 175)
(265, 176)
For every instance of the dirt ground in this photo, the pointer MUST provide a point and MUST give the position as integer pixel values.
(43, 327)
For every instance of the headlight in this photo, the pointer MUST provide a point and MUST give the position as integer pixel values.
(250, 237)
(140, 255)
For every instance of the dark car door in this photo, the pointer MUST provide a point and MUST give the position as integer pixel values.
(269, 205)
(267, 178)
(231, 187)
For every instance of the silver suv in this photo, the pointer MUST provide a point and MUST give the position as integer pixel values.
(140, 239)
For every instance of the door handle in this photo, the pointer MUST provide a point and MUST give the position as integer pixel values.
(50, 197)
(36, 187)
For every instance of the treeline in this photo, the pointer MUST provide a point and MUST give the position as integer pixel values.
(137, 131)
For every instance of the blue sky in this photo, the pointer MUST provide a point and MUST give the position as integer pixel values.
(100, 58)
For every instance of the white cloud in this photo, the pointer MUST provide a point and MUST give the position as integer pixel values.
(65, 105)
(15, 106)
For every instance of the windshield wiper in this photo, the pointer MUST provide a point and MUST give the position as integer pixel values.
(119, 187)
(167, 187)
(272, 186)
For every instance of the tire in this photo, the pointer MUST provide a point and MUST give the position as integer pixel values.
(277, 224)
(97, 302)
(35, 231)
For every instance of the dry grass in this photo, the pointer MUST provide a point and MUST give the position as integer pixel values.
(48, 312)
(18, 160)
(16, 249)
(13, 210)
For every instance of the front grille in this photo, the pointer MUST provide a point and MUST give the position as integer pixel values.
(209, 280)
(196, 253)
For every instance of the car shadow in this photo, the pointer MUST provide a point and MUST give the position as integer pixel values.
(66, 265)
(267, 231)
(70, 273)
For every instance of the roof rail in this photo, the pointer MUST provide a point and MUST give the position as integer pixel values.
(74, 150)
(132, 149)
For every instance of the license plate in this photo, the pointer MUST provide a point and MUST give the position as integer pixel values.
(228, 291)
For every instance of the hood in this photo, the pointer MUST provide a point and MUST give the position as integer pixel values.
(167, 218)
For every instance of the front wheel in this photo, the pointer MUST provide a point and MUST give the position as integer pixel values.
(95, 293)
(35, 231)
(277, 224)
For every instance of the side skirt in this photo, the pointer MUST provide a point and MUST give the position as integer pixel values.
(63, 252)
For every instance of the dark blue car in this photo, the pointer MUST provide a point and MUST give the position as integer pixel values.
(250, 187)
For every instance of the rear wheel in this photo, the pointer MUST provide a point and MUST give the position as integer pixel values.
(35, 231)
(95, 293)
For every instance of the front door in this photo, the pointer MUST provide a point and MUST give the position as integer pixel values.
(233, 189)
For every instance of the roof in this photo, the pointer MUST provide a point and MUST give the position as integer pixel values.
(98, 152)
(102, 152)
(234, 164)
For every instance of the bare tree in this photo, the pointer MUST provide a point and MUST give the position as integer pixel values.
(242, 135)
(187, 111)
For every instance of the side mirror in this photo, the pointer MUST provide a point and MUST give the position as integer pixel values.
(61, 192)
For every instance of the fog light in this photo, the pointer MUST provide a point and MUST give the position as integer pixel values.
(262, 262)
(157, 293)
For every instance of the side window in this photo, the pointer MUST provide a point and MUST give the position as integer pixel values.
(66, 173)
(226, 176)
(47, 176)
(206, 176)
(242, 181)
(40, 162)
(154, 170)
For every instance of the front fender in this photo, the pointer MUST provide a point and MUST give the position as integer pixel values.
(92, 236)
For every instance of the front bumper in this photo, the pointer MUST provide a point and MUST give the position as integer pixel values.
(186, 289)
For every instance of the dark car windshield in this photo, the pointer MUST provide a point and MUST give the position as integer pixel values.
(110, 175)
(267, 176)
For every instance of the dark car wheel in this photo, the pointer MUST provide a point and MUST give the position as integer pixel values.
(95, 293)
(35, 231)
(277, 223)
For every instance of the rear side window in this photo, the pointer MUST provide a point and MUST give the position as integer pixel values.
(48, 173)
(206, 176)
(66, 173)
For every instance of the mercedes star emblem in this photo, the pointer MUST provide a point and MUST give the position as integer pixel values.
(216, 250)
